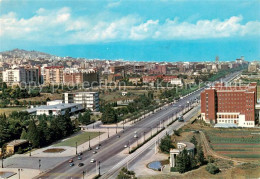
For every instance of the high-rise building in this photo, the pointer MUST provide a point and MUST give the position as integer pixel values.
(89, 100)
(21, 76)
(53, 74)
(229, 105)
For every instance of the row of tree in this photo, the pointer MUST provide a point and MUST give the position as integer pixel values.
(112, 115)
(48, 130)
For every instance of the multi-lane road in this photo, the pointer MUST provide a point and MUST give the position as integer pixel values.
(110, 148)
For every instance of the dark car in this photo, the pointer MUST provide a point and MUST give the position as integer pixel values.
(81, 164)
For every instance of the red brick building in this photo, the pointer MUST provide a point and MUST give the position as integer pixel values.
(229, 105)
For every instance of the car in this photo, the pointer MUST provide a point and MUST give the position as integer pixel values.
(118, 136)
(80, 164)
(125, 146)
(71, 161)
(79, 158)
(80, 154)
(71, 164)
(180, 119)
(97, 147)
(92, 161)
(135, 132)
(135, 136)
(94, 152)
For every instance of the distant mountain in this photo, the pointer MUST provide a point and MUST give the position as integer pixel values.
(20, 53)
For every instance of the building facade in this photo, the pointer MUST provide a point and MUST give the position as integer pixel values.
(89, 100)
(229, 105)
(21, 75)
(53, 75)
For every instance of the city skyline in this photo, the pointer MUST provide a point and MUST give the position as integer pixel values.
(135, 31)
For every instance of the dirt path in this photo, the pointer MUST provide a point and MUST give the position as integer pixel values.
(208, 151)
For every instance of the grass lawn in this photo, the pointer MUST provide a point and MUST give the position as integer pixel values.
(80, 139)
(9, 110)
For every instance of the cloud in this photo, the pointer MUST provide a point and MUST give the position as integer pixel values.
(113, 4)
(60, 26)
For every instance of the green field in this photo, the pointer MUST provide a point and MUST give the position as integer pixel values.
(80, 139)
(8, 111)
(236, 143)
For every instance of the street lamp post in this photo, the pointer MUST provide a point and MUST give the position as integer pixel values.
(99, 139)
(83, 174)
(89, 143)
(40, 164)
(116, 128)
(76, 148)
(19, 174)
(107, 132)
(3, 160)
(144, 136)
(99, 168)
(129, 146)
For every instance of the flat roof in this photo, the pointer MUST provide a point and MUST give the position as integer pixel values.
(53, 107)
(17, 142)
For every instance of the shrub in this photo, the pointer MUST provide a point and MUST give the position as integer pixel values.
(212, 168)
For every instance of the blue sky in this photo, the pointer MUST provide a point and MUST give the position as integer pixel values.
(162, 30)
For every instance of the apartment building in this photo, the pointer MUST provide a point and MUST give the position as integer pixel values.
(233, 105)
(21, 75)
(89, 100)
(53, 74)
(85, 78)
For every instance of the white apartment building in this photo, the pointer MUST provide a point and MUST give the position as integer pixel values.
(14, 76)
(89, 100)
(21, 75)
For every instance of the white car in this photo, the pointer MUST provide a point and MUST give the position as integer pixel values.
(125, 146)
(97, 147)
(135, 136)
(92, 161)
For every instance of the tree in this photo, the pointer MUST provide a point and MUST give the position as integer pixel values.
(109, 115)
(5, 133)
(194, 140)
(200, 155)
(24, 134)
(33, 134)
(126, 174)
(212, 168)
(166, 144)
(183, 162)
(85, 118)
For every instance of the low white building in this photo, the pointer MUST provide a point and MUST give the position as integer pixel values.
(176, 81)
(89, 100)
(54, 102)
(57, 109)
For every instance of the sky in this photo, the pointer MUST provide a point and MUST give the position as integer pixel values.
(144, 30)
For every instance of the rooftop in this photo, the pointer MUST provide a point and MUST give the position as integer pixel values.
(17, 142)
(53, 107)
